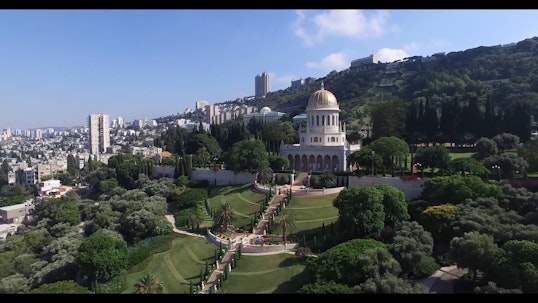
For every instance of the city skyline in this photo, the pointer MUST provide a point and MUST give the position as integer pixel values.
(61, 65)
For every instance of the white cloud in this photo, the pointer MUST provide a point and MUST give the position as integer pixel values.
(344, 23)
(391, 54)
(412, 47)
(299, 30)
(334, 61)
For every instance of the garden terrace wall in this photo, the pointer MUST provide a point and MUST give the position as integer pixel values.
(412, 188)
(222, 176)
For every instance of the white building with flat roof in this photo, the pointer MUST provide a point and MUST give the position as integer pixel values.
(265, 115)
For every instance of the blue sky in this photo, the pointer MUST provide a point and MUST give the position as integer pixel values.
(58, 66)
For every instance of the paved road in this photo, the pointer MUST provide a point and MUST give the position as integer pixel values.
(442, 281)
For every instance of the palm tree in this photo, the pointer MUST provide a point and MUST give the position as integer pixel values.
(287, 223)
(327, 178)
(224, 215)
(148, 284)
(203, 155)
(265, 175)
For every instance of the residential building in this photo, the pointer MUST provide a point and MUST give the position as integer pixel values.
(301, 82)
(16, 213)
(220, 113)
(52, 168)
(200, 105)
(99, 133)
(30, 176)
(367, 60)
(262, 85)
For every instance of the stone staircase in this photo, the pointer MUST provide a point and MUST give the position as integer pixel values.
(301, 177)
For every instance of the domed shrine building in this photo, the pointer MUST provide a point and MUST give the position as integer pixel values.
(322, 145)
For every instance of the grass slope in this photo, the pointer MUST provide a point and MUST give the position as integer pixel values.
(271, 274)
(245, 202)
(176, 266)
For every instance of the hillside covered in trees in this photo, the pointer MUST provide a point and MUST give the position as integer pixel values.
(500, 79)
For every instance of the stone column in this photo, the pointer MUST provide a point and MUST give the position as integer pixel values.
(292, 179)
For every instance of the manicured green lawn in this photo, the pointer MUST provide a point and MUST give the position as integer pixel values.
(270, 274)
(176, 266)
(311, 212)
(243, 200)
(460, 155)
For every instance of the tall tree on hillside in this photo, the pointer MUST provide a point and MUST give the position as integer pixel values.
(490, 124)
(393, 150)
(388, 119)
(433, 157)
(72, 166)
(529, 152)
(102, 255)
(420, 118)
(276, 132)
(197, 141)
(229, 133)
(450, 121)
(431, 121)
(522, 121)
(471, 117)
(173, 140)
(247, 155)
(361, 211)
(255, 127)
(474, 250)
(411, 123)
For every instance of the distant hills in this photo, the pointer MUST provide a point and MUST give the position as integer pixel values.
(505, 73)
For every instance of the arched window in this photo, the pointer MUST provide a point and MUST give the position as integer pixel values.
(315, 139)
(317, 120)
(322, 120)
(333, 139)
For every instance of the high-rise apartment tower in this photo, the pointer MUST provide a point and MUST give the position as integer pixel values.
(99, 133)
(262, 84)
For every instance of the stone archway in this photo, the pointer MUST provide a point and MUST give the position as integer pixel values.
(327, 162)
(304, 163)
(319, 163)
(334, 163)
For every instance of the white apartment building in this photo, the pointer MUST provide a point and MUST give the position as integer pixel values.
(99, 133)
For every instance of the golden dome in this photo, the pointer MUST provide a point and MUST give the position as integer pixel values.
(322, 99)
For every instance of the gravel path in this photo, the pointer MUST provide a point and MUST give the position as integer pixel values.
(442, 281)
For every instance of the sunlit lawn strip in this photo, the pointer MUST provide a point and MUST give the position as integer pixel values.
(177, 266)
(280, 273)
